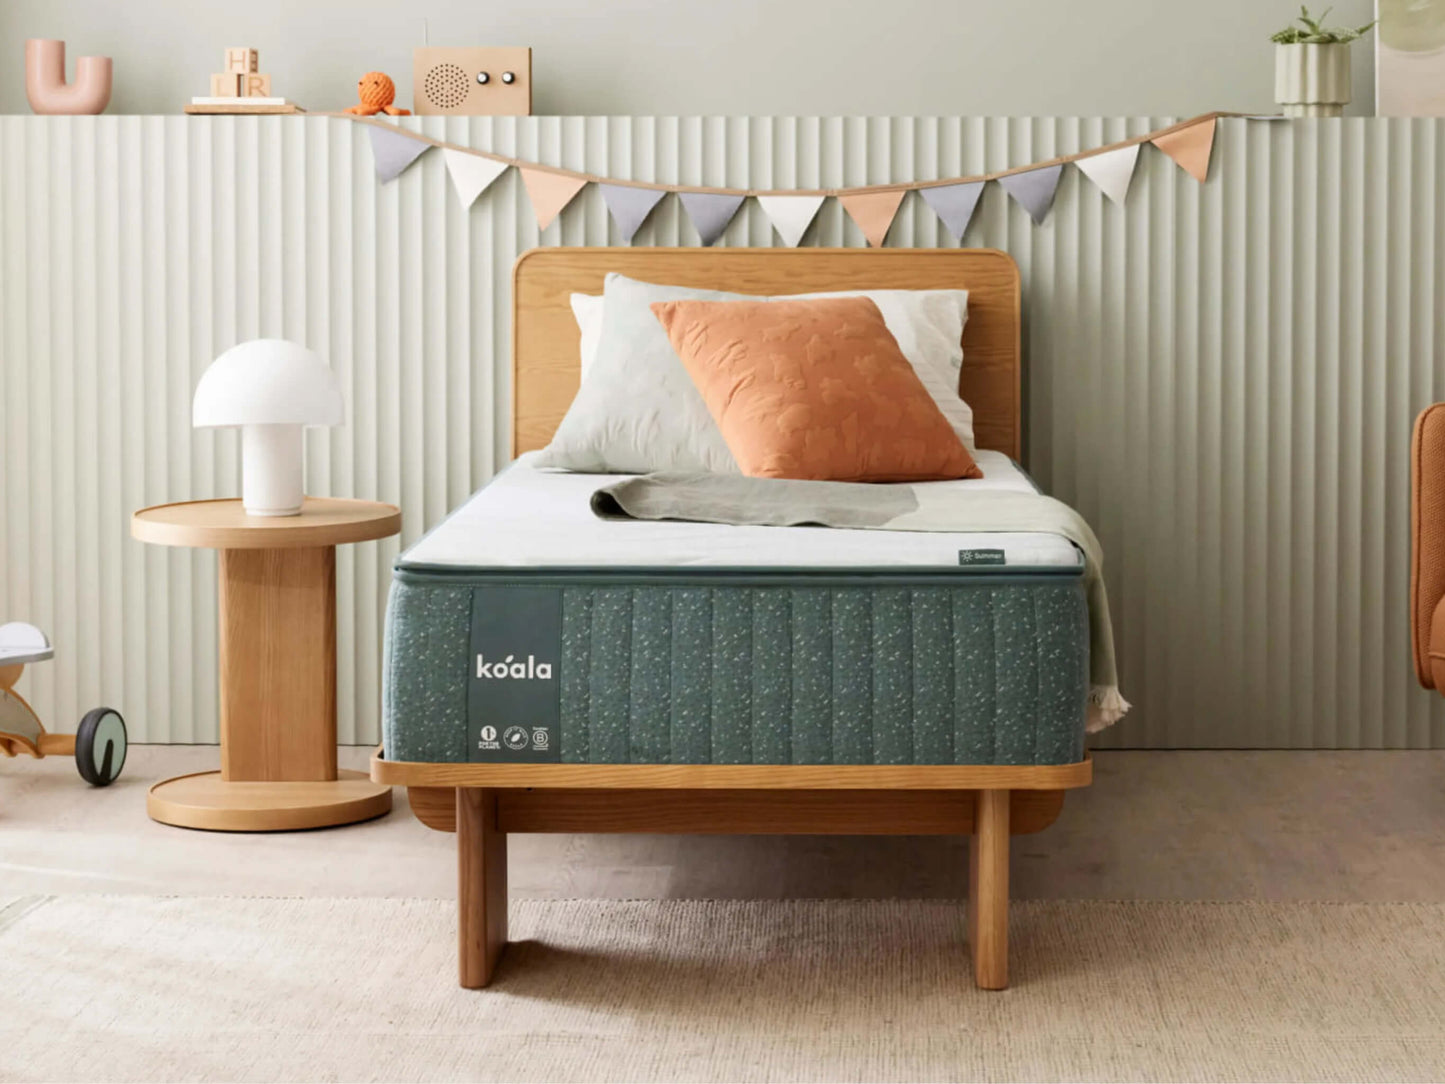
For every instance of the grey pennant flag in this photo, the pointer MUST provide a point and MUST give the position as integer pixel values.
(630, 205)
(1034, 189)
(394, 151)
(954, 204)
(710, 212)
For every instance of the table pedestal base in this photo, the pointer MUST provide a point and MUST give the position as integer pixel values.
(205, 800)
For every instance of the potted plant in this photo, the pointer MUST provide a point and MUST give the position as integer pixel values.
(1312, 66)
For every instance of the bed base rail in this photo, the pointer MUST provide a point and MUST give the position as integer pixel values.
(987, 803)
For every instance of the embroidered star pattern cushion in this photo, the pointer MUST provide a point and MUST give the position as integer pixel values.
(813, 389)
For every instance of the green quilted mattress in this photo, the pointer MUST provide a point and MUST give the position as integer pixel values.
(700, 666)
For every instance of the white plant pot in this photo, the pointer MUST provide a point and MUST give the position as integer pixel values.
(1312, 80)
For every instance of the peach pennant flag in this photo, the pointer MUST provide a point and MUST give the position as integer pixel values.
(874, 212)
(550, 192)
(1190, 148)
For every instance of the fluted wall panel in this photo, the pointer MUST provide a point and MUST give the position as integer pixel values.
(1221, 377)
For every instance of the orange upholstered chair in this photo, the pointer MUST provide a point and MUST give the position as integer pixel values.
(1427, 546)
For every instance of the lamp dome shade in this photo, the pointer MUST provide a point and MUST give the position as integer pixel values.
(268, 382)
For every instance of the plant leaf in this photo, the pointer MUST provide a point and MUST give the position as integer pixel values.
(1308, 30)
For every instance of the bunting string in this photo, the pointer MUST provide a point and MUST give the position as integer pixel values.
(872, 207)
(906, 186)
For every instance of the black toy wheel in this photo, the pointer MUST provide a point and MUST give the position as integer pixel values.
(100, 745)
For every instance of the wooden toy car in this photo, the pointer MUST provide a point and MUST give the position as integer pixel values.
(98, 744)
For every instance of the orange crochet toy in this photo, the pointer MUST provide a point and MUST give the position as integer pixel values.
(377, 92)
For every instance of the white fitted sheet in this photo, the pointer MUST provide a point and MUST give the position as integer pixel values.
(530, 517)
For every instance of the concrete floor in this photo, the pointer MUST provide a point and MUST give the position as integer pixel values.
(1161, 825)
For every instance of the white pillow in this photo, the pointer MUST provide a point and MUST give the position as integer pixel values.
(637, 410)
(928, 325)
(587, 311)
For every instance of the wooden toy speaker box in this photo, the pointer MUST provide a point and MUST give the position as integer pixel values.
(481, 82)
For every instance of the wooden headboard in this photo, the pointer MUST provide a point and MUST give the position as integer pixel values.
(545, 339)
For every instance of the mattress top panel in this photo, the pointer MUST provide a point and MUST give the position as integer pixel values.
(529, 517)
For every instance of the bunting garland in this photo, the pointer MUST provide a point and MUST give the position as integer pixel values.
(1189, 144)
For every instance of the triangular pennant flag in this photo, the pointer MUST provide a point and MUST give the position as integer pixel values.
(954, 204)
(791, 215)
(471, 174)
(394, 150)
(873, 211)
(630, 205)
(710, 212)
(1111, 171)
(1190, 147)
(1034, 189)
(550, 192)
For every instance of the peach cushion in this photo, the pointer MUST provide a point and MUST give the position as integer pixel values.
(813, 389)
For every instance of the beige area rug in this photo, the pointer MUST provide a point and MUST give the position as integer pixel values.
(140, 988)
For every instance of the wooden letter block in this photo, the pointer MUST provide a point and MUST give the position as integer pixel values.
(226, 85)
(241, 60)
(256, 86)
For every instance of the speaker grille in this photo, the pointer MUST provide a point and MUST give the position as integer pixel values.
(446, 86)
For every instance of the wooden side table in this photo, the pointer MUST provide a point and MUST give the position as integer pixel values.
(278, 666)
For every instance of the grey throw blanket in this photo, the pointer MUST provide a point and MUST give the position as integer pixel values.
(772, 502)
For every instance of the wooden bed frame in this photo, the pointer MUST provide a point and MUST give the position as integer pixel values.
(483, 803)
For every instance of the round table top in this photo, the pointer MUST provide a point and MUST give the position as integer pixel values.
(224, 524)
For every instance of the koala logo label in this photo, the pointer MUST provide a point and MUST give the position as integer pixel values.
(511, 667)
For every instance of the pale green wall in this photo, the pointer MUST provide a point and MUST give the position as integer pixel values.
(757, 57)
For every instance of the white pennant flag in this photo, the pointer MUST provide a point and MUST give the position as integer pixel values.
(1111, 171)
(471, 174)
(791, 215)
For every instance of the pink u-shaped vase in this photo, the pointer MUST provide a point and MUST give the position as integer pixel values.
(45, 83)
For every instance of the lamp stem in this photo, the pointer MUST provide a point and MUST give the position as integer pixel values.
(271, 477)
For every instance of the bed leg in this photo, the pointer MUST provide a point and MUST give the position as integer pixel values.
(481, 886)
(988, 890)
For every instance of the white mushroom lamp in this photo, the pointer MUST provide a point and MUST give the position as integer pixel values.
(271, 389)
